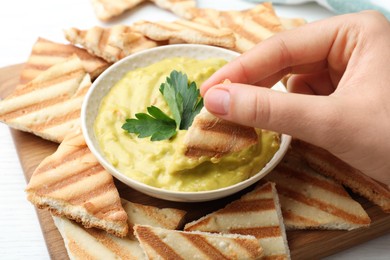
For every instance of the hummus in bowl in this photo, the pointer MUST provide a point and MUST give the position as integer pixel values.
(160, 168)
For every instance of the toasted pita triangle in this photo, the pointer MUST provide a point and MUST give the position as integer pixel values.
(214, 137)
(256, 213)
(92, 243)
(159, 243)
(111, 44)
(49, 106)
(186, 31)
(248, 26)
(108, 9)
(312, 201)
(329, 165)
(72, 183)
(182, 8)
(45, 54)
(168, 218)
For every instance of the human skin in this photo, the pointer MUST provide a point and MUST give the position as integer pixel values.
(341, 83)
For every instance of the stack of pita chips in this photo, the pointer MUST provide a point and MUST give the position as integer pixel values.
(312, 201)
(329, 165)
(46, 53)
(256, 213)
(75, 188)
(92, 243)
(187, 32)
(111, 44)
(49, 106)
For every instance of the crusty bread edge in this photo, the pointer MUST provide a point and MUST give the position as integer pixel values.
(278, 209)
(78, 214)
(357, 181)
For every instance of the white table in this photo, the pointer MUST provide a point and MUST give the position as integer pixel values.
(21, 22)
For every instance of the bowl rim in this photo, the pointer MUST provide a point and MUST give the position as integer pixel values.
(173, 195)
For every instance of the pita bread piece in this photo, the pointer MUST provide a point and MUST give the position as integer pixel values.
(186, 31)
(111, 44)
(49, 106)
(92, 243)
(45, 54)
(256, 213)
(292, 23)
(108, 9)
(249, 26)
(312, 201)
(214, 137)
(159, 243)
(168, 218)
(182, 8)
(329, 165)
(72, 183)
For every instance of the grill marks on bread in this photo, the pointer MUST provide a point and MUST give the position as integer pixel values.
(108, 9)
(111, 44)
(214, 137)
(162, 243)
(49, 106)
(45, 54)
(92, 243)
(310, 200)
(186, 31)
(72, 183)
(329, 165)
(256, 213)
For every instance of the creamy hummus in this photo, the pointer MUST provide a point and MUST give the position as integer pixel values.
(162, 163)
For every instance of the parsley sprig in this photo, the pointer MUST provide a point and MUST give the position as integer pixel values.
(184, 101)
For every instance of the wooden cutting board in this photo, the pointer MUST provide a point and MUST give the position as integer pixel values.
(303, 244)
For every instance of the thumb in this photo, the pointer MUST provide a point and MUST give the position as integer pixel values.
(307, 117)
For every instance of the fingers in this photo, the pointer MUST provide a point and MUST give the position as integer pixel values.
(303, 50)
(302, 116)
(315, 84)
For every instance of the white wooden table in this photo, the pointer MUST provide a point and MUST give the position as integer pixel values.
(21, 22)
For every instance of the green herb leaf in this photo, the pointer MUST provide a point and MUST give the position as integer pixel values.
(182, 98)
(157, 125)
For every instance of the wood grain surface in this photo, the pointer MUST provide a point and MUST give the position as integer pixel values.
(308, 244)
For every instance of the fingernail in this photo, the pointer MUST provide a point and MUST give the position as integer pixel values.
(217, 101)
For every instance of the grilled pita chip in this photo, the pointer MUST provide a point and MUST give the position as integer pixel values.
(264, 15)
(256, 213)
(108, 9)
(329, 165)
(214, 137)
(73, 184)
(312, 201)
(187, 31)
(111, 44)
(45, 54)
(249, 26)
(92, 243)
(247, 31)
(181, 8)
(49, 106)
(148, 215)
(159, 243)
(291, 23)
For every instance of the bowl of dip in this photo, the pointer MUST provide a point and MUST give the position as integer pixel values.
(157, 168)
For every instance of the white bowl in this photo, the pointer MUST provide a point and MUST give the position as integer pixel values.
(113, 74)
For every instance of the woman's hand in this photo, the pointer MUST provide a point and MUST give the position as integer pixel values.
(341, 85)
